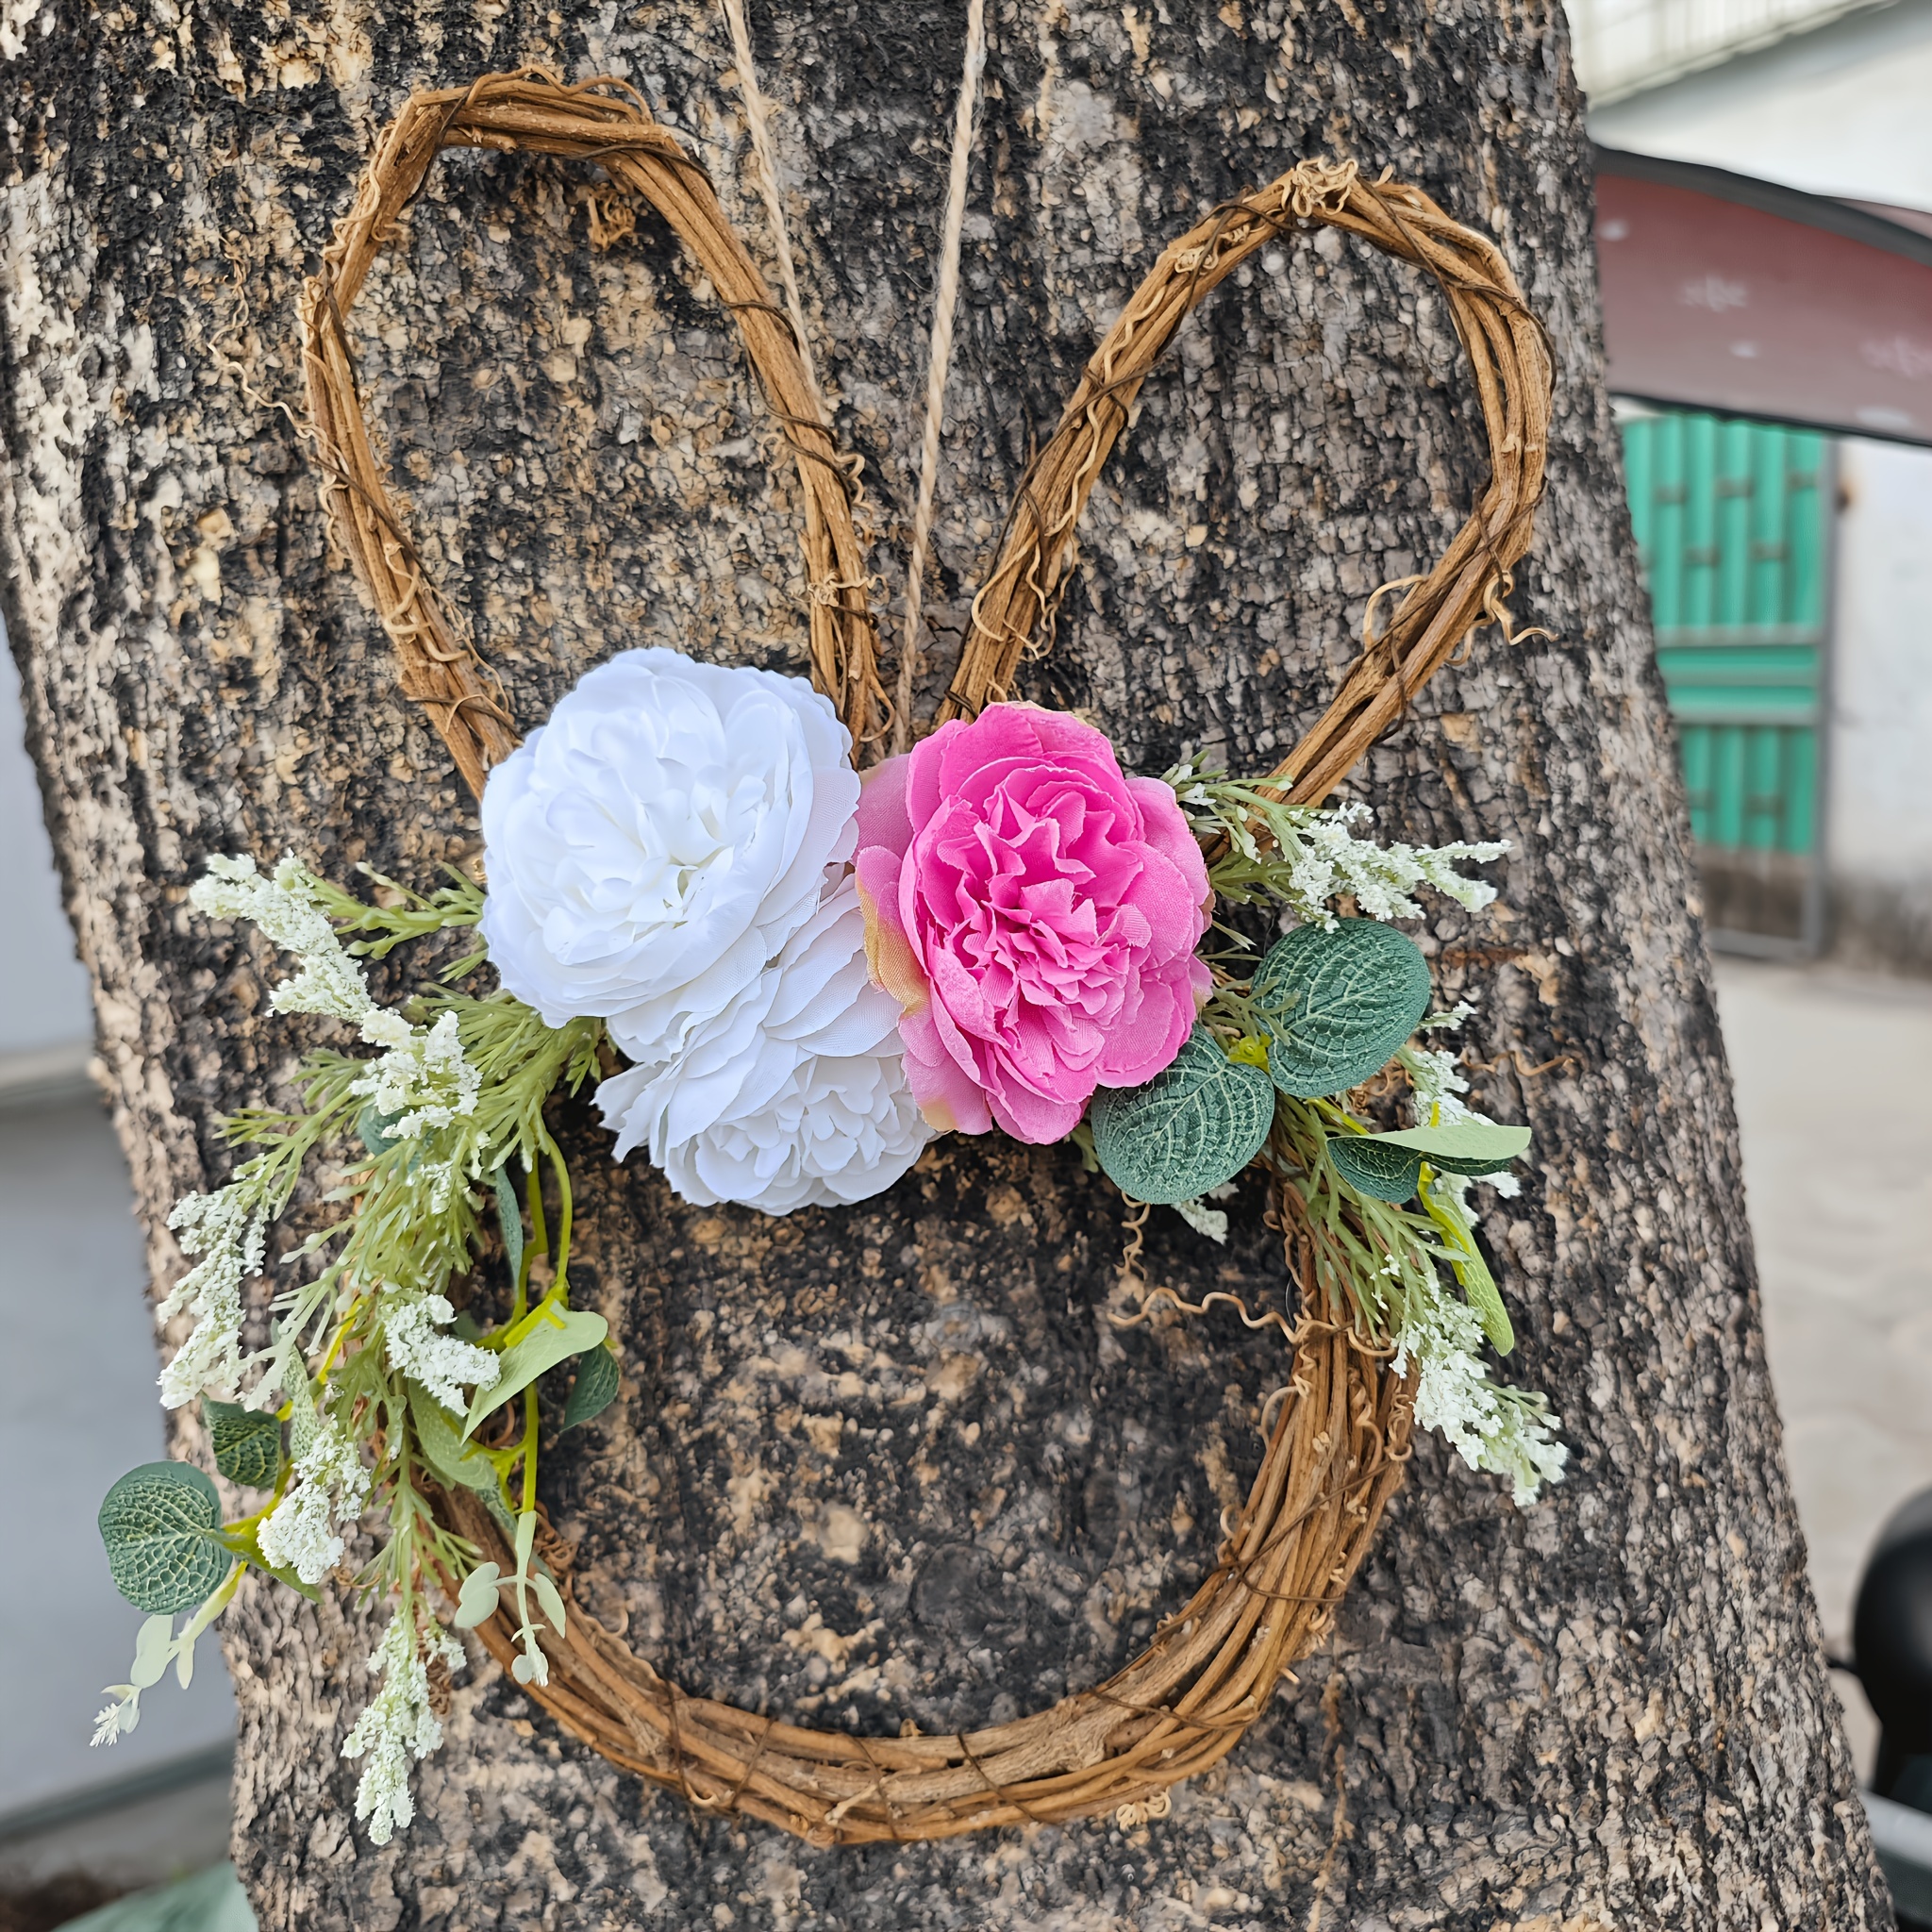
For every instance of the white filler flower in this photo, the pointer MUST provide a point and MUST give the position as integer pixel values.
(653, 847)
(399, 1725)
(793, 1094)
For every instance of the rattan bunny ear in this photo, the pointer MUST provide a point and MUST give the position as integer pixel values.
(600, 121)
(1511, 362)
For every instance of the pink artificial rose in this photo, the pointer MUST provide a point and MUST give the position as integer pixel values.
(1035, 912)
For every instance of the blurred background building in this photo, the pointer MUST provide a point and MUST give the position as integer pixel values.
(78, 1407)
(1765, 240)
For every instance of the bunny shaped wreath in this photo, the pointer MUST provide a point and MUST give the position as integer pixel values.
(1001, 927)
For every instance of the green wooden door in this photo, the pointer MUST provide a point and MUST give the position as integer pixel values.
(1730, 526)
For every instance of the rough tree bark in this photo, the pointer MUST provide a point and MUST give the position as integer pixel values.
(894, 1463)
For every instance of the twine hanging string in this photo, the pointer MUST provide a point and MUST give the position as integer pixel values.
(937, 366)
(1339, 1438)
(757, 123)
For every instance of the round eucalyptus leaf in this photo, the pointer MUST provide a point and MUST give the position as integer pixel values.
(1371, 1167)
(594, 1390)
(1473, 1147)
(247, 1443)
(158, 1523)
(1389, 1166)
(1339, 1004)
(1196, 1123)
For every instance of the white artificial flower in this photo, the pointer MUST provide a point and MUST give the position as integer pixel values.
(1329, 860)
(1492, 1427)
(230, 1234)
(652, 847)
(330, 1482)
(1211, 1221)
(423, 1081)
(443, 1363)
(794, 1093)
(1436, 1089)
(398, 1723)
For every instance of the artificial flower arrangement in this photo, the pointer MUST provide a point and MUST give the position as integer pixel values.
(810, 973)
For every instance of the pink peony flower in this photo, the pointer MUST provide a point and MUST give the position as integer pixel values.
(1036, 913)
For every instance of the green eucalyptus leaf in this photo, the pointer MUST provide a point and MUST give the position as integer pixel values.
(594, 1390)
(1472, 1271)
(1479, 1286)
(1338, 1005)
(550, 1334)
(162, 1524)
(478, 1602)
(1389, 1166)
(1371, 1167)
(1195, 1125)
(372, 1126)
(454, 1463)
(247, 1443)
(304, 1424)
(548, 1596)
(151, 1652)
(509, 1215)
(1474, 1147)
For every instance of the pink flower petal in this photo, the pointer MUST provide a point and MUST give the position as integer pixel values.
(882, 815)
(1031, 1117)
(888, 952)
(949, 1099)
(1146, 1042)
(1049, 907)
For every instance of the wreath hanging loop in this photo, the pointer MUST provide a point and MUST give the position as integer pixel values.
(1339, 1436)
(601, 121)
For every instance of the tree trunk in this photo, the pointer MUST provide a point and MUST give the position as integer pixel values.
(894, 1462)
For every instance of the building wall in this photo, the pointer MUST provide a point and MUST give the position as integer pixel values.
(1879, 826)
(77, 1400)
(1837, 110)
(1837, 106)
(1623, 46)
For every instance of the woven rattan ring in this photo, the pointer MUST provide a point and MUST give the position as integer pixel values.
(1338, 1442)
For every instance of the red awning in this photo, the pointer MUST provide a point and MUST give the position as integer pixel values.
(1726, 293)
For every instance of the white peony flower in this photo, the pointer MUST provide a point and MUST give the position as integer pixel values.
(653, 847)
(794, 1093)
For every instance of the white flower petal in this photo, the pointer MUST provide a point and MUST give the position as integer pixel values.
(654, 846)
(794, 1095)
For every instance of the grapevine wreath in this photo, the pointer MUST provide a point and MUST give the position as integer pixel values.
(807, 977)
